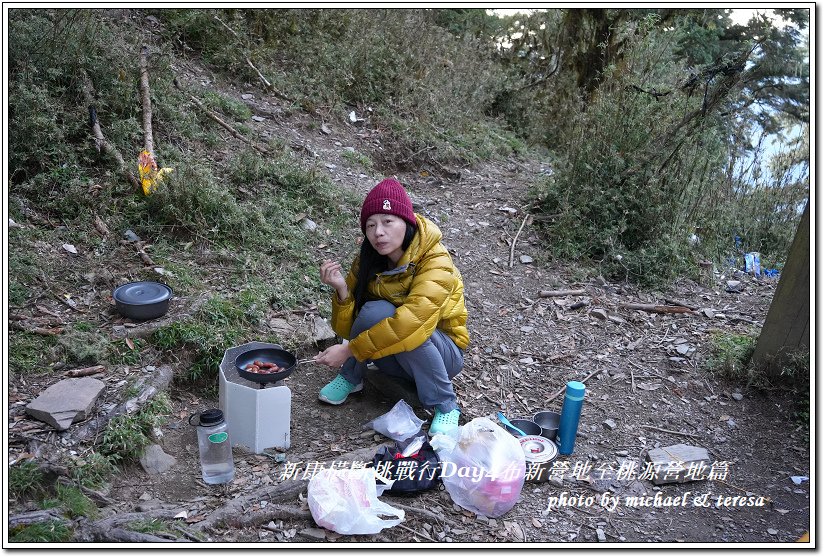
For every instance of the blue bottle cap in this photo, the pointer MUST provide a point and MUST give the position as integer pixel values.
(575, 390)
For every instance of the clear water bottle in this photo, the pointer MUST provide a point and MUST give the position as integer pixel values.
(215, 449)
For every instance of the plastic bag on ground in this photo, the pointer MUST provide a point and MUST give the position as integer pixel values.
(482, 467)
(346, 501)
(398, 424)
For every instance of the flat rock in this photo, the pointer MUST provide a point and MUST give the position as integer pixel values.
(599, 313)
(679, 463)
(66, 402)
(155, 461)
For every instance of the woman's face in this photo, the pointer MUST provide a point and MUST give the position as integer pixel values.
(386, 233)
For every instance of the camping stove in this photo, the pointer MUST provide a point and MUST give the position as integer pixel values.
(258, 418)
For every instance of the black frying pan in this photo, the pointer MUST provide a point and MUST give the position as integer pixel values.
(286, 361)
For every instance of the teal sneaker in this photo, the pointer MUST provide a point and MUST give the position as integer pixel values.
(444, 423)
(337, 391)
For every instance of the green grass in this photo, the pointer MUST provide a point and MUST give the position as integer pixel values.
(358, 159)
(28, 353)
(127, 435)
(730, 355)
(149, 526)
(24, 479)
(83, 348)
(227, 105)
(73, 502)
(92, 470)
(120, 353)
(53, 531)
(221, 323)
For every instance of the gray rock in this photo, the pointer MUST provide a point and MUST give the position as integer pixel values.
(602, 537)
(247, 96)
(258, 118)
(599, 313)
(526, 260)
(322, 330)
(733, 286)
(610, 423)
(309, 224)
(131, 236)
(738, 396)
(66, 402)
(315, 533)
(155, 461)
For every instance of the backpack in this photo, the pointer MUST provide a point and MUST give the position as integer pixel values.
(412, 474)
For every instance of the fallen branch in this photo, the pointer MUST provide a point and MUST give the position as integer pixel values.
(175, 314)
(157, 382)
(145, 97)
(35, 517)
(94, 533)
(679, 303)
(139, 248)
(36, 330)
(288, 490)
(671, 432)
(561, 293)
(421, 534)
(217, 119)
(423, 512)
(100, 226)
(85, 371)
(653, 308)
(563, 389)
(100, 142)
(514, 240)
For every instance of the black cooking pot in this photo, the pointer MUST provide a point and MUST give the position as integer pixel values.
(142, 300)
(285, 360)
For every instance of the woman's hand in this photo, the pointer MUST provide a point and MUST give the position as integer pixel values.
(330, 273)
(334, 356)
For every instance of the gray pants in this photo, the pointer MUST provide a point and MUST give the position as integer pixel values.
(431, 365)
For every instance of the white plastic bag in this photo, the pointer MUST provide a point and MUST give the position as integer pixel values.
(483, 467)
(346, 501)
(398, 424)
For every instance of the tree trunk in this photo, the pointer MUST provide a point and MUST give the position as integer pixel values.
(787, 327)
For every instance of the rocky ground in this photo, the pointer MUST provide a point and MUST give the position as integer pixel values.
(646, 388)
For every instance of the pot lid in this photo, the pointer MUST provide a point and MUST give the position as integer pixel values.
(142, 293)
(538, 449)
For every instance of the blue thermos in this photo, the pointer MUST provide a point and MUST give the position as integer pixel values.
(570, 414)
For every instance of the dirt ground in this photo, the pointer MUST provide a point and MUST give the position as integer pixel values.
(646, 388)
(645, 394)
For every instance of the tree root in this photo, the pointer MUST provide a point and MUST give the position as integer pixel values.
(236, 512)
(175, 315)
(159, 381)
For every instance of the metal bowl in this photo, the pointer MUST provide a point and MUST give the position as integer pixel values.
(548, 421)
(286, 361)
(527, 426)
(142, 300)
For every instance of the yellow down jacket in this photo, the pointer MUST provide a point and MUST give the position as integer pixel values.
(427, 289)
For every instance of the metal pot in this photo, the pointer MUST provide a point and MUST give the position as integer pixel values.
(539, 454)
(285, 360)
(142, 300)
(548, 421)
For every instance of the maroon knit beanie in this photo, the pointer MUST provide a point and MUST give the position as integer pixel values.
(388, 197)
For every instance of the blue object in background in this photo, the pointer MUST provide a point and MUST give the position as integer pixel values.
(771, 272)
(570, 415)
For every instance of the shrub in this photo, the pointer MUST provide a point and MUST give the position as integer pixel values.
(730, 355)
(24, 478)
(127, 435)
(53, 531)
